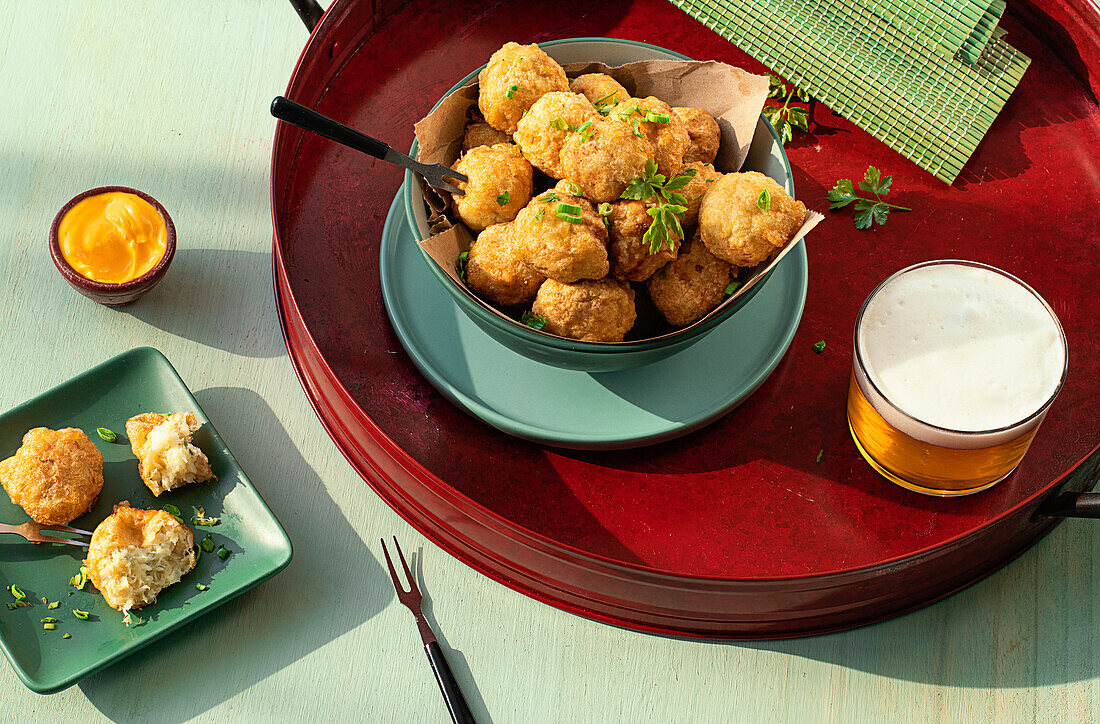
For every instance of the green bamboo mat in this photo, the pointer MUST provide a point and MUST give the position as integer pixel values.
(949, 27)
(931, 109)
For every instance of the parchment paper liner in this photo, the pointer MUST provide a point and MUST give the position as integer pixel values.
(733, 96)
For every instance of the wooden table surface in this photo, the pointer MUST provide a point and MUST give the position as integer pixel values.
(171, 97)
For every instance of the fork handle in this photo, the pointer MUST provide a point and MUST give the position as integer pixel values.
(456, 703)
(310, 120)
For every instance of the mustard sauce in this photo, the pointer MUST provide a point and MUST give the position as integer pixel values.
(113, 237)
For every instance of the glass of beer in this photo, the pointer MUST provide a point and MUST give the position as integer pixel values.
(955, 365)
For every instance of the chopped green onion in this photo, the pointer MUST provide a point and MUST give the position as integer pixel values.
(198, 554)
(511, 90)
(49, 626)
(48, 619)
(67, 636)
(656, 117)
(538, 214)
(55, 604)
(171, 509)
(207, 543)
(201, 587)
(17, 592)
(533, 320)
(79, 579)
(223, 552)
(586, 130)
(732, 287)
(764, 200)
(106, 434)
(559, 124)
(502, 199)
(44, 600)
(634, 125)
(569, 212)
(604, 209)
(83, 615)
(460, 270)
(200, 518)
(550, 197)
(574, 187)
(819, 347)
(819, 454)
(601, 99)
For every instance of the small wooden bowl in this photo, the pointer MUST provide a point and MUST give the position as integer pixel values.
(112, 295)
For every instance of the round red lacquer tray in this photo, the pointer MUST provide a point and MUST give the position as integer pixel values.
(737, 530)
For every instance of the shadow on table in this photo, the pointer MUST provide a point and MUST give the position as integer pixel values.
(1019, 628)
(264, 630)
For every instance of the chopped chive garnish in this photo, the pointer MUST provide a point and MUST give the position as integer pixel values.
(538, 214)
(604, 209)
(764, 200)
(587, 130)
(573, 186)
(207, 543)
(533, 321)
(201, 587)
(819, 454)
(55, 604)
(607, 97)
(634, 125)
(732, 287)
(550, 197)
(172, 510)
(223, 552)
(569, 212)
(48, 619)
(49, 626)
(460, 270)
(502, 200)
(198, 554)
(511, 90)
(44, 600)
(67, 636)
(819, 347)
(656, 117)
(106, 434)
(83, 615)
(559, 124)
(17, 592)
(200, 517)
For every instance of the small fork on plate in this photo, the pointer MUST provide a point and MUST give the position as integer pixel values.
(456, 703)
(33, 532)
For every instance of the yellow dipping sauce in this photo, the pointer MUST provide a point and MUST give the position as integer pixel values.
(113, 237)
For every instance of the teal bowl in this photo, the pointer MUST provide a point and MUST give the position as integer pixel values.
(766, 155)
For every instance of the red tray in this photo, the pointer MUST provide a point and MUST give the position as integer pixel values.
(736, 530)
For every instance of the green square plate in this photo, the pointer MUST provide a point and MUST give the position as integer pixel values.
(140, 380)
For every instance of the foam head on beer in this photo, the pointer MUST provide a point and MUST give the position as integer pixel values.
(961, 348)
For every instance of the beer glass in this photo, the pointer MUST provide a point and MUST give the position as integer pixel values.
(955, 364)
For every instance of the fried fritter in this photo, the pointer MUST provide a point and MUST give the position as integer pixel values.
(696, 189)
(703, 134)
(668, 139)
(55, 476)
(629, 255)
(605, 162)
(542, 132)
(500, 185)
(736, 229)
(135, 554)
(166, 457)
(482, 134)
(594, 311)
(599, 87)
(515, 77)
(495, 270)
(556, 247)
(691, 285)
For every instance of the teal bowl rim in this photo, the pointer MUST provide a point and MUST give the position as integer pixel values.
(409, 188)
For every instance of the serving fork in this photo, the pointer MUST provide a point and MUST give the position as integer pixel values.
(310, 120)
(456, 703)
(33, 532)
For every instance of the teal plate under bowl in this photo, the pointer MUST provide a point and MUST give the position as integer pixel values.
(583, 410)
(140, 380)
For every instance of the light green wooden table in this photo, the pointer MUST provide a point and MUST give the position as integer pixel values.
(171, 97)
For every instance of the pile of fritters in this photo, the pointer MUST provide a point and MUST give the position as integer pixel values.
(575, 251)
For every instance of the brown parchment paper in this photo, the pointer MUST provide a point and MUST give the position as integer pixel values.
(733, 96)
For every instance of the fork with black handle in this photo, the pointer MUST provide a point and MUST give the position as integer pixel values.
(456, 703)
(310, 120)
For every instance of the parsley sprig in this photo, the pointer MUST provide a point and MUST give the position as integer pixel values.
(786, 118)
(868, 211)
(669, 207)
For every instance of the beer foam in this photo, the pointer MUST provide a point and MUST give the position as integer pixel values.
(960, 347)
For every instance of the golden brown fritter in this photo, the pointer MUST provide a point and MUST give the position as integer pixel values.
(500, 185)
(515, 77)
(606, 161)
(691, 285)
(594, 311)
(495, 270)
(599, 87)
(736, 229)
(558, 248)
(166, 457)
(542, 132)
(696, 189)
(666, 134)
(55, 476)
(482, 134)
(135, 554)
(703, 134)
(629, 255)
